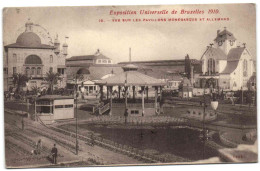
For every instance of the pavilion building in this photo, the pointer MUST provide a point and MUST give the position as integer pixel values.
(34, 54)
(139, 83)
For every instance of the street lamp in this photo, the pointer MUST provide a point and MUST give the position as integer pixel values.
(126, 110)
(76, 115)
(27, 100)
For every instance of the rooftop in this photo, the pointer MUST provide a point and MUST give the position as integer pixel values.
(97, 55)
(54, 97)
(131, 78)
(218, 54)
(233, 59)
(224, 35)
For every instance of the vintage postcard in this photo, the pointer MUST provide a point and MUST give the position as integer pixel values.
(129, 85)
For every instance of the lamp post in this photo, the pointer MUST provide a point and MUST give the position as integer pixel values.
(76, 114)
(126, 110)
(27, 100)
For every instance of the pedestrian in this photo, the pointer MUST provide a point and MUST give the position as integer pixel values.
(54, 153)
(38, 147)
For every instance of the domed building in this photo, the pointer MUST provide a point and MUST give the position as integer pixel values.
(31, 56)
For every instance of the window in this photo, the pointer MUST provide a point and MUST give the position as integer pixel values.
(58, 106)
(69, 106)
(39, 71)
(99, 61)
(27, 71)
(109, 61)
(245, 68)
(5, 70)
(61, 71)
(14, 57)
(14, 70)
(51, 69)
(211, 66)
(51, 59)
(104, 61)
(135, 112)
(33, 71)
(33, 59)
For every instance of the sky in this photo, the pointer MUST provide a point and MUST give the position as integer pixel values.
(148, 40)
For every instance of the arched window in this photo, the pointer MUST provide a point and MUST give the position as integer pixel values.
(39, 71)
(33, 71)
(51, 59)
(27, 71)
(33, 59)
(51, 69)
(245, 67)
(14, 57)
(211, 66)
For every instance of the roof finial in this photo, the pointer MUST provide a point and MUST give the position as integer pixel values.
(28, 25)
(97, 53)
(225, 28)
(211, 44)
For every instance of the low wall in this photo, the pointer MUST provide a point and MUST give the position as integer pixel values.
(46, 118)
(200, 91)
(198, 114)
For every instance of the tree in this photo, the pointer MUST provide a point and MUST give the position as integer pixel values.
(187, 66)
(52, 79)
(35, 90)
(19, 81)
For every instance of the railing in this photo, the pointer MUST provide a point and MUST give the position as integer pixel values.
(104, 108)
(120, 148)
(133, 105)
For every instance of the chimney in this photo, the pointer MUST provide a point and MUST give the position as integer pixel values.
(130, 55)
(211, 44)
(244, 44)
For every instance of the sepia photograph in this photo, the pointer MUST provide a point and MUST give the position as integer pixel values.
(129, 85)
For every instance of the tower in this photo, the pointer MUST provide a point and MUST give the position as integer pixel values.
(57, 45)
(225, 40)
(65, 47)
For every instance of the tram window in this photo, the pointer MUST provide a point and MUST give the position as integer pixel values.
(58, 106)
(69, 106)
(134, 111)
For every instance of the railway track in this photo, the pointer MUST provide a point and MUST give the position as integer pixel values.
(67, 140)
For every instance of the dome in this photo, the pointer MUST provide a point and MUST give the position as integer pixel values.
(28, 39)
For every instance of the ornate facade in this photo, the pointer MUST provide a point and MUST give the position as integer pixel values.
(229, 64)
(34, 57)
